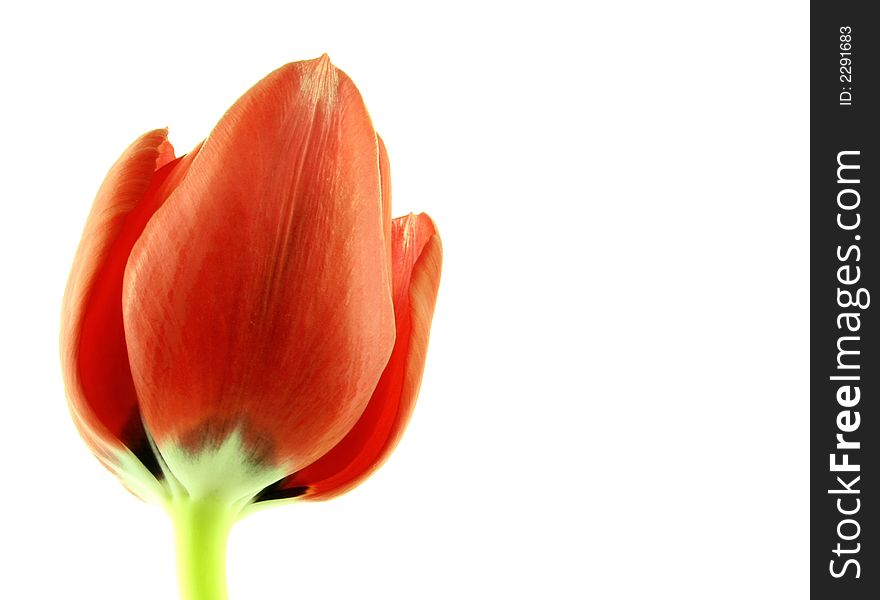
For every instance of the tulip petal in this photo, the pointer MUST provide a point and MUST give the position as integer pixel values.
(385, 182)
(98, 380)
(257, 301)
(416, 271)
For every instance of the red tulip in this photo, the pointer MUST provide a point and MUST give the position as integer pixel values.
(246, 323)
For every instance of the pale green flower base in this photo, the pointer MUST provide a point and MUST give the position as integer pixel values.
(204, 493)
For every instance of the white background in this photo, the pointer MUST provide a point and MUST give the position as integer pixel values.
(615, 403)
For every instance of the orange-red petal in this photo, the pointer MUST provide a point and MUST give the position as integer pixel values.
(416, 270)
(94, 359)
(385, 182)
(258, 297)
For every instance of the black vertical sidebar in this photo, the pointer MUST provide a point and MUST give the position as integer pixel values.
(844, 301)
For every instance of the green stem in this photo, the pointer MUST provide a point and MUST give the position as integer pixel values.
(201, 528)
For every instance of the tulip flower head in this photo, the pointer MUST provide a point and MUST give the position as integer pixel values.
(246, 324)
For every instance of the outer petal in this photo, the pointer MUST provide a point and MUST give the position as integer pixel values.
(385, 181)
(417, 261)
(257, 302)
(94, 359)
